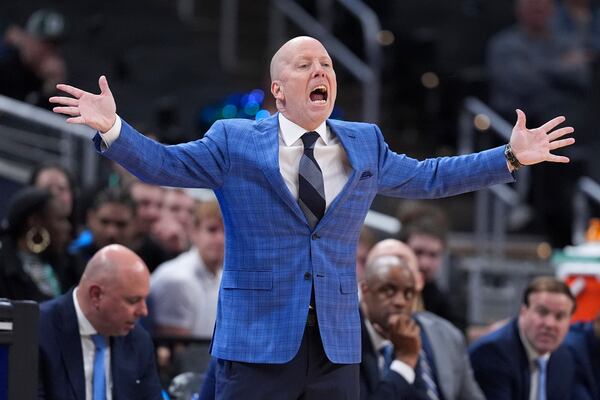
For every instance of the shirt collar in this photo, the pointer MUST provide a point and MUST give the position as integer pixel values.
(378, 341)
(532, 354)
(85, 327)
(291, 132)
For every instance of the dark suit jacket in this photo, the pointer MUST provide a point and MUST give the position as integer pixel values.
(501, 367)
(61, 377)
(585, 348)
(452, 366)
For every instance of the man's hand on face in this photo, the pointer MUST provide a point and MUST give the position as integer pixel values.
(405, 335)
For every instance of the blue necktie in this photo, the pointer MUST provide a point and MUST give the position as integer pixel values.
(541, 363)
(311, 190)
(387, 352)
(427, 377)
(99, 380)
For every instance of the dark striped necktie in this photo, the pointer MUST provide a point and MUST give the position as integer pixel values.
(427, 377)
(311, 192)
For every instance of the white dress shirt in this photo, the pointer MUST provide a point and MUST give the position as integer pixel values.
(532, 356)
(86, 330)
(329, 153)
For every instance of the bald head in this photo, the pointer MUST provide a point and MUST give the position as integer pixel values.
(394, 247)
(284, 55)
(113, 263)
(379, 267)
(113, 289)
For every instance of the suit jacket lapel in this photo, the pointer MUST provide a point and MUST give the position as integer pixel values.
(70, 346)
(348, 138)
(119, 365)
(266, 141)
(369, 365)
(439, 355)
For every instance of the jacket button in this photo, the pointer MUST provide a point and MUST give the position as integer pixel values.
(307, 276)
(315, 236)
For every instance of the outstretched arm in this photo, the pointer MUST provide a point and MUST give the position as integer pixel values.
(98, 111)
(533, 146)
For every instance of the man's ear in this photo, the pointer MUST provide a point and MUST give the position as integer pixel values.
(95, 293)
(277, 90)
(523, 310)
(364, 288)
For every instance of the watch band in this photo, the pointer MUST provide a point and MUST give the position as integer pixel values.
(510, 157)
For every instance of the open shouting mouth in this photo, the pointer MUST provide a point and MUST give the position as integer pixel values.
(319, 95)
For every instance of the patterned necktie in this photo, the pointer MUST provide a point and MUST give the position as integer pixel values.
(427, 377)
(311, 192)
(99, 379)
(541, 363)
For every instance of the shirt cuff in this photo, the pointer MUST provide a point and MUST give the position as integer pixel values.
(112, 134)
(405, 370)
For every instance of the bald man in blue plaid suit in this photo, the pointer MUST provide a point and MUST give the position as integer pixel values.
(288, 325)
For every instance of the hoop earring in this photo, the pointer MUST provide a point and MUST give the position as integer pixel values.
(37, 239)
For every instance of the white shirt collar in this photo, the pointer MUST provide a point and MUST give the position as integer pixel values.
(532, 354)
(378, 341)
(85, 327)
(291, 132)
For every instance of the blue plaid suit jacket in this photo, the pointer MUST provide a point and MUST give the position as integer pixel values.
(269, 246)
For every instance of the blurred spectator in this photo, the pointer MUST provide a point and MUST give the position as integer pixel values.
(584, 342)
(547, 73)
(405, 354)
(109, 220)
(178, 209)
(579, 18)
(30, 63)
(425, 230)
(394, 247)
(184, 291)
(525, 359)
(148, 201)
(33, 260)
(59, 181)
(533, 68)
(366, 240)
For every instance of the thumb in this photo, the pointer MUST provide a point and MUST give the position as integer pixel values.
(521, 120)
(103, 83)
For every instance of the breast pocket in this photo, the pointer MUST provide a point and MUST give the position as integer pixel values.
(242, 279)
(348, 284)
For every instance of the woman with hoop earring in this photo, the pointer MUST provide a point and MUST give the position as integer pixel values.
(35, 233)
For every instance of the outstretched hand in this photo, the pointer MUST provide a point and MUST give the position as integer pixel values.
(533, 146)
(98, 111)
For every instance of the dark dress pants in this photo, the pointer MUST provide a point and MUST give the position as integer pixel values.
(308, 376)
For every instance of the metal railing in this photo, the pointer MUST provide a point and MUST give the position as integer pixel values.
(492, 216)
(366, 72)
(30, 135)
(587, 190)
